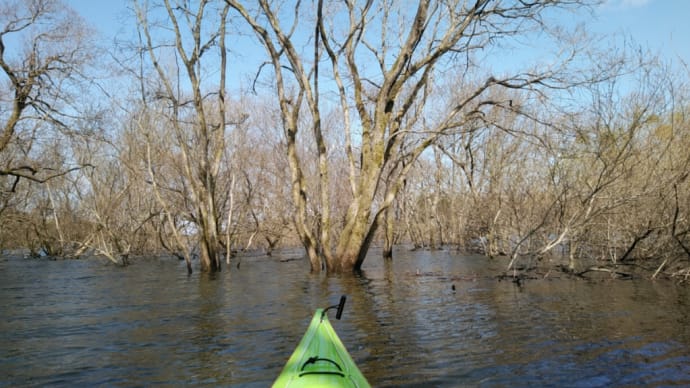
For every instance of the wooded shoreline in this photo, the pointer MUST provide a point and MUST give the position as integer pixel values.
(364, 124)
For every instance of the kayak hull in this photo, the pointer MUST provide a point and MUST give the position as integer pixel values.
(320, 360)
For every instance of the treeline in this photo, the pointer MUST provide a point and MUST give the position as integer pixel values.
(336, 146)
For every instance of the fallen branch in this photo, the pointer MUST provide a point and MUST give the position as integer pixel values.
(656, 273)
(607, 270)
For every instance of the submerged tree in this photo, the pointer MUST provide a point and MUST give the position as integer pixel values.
(194, 110)
(386, 63)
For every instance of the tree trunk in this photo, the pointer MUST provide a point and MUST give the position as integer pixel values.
(353, 237)
(209, 256)
(389, 235)
(572, 255)
(351, 248)
(209, 242)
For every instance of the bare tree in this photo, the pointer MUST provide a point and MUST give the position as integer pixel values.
(262, 205)
(118, 210)
(386, 60)
(194, 111)
(43, 48)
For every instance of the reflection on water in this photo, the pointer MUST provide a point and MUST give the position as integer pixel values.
(71, 323)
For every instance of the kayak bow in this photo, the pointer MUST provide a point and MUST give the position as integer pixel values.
(321, 359)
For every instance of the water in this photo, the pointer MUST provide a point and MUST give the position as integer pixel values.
(67, 323)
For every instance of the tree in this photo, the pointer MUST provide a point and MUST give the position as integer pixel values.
(194, 111)
(386, 64)
(262, 206)
(119, 209)
(44, 48)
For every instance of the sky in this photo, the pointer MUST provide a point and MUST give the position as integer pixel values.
(661, 25)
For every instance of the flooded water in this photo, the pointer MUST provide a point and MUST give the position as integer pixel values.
(67, 323)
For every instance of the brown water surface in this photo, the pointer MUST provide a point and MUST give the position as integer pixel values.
(67, 323)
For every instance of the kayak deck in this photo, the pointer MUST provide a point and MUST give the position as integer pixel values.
(320, 360)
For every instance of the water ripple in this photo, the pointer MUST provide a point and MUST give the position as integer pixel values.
(425, 319)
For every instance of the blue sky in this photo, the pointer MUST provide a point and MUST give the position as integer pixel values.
(660, 25)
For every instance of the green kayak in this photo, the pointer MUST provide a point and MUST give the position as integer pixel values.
(321, 359)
